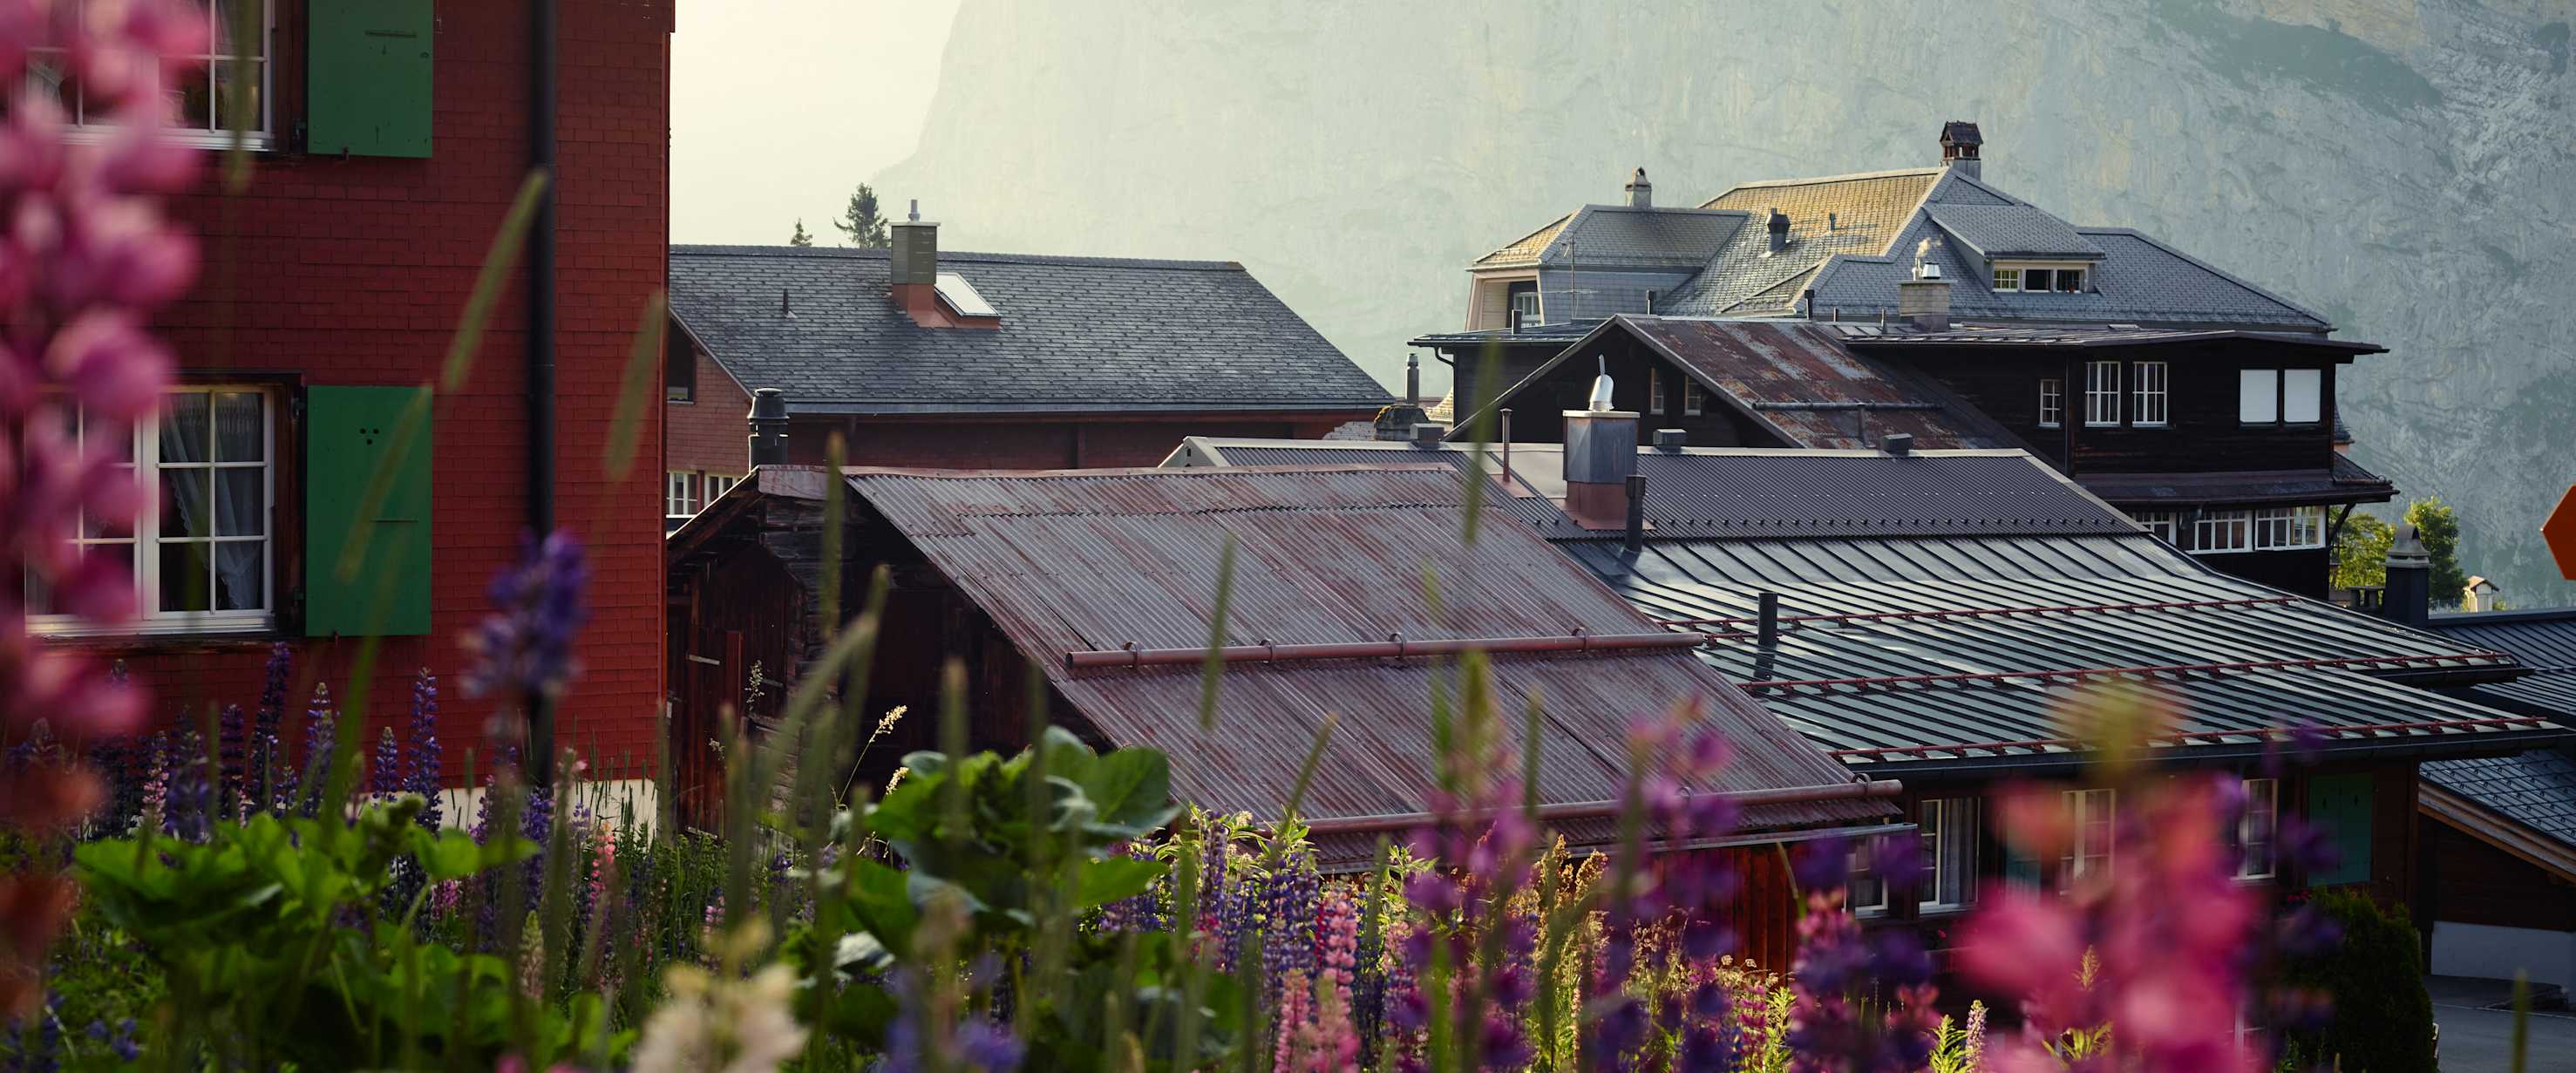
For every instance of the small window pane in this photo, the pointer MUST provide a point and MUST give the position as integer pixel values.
(193, 98)
(94, 527)
(237, 94)
(2036, 279)
(2302, 396)
(2070, 280)
(245, 16)
(241, 582)
(240, 507)
(239, 432)
(186, 581)
(2007, 279)
(186, 495)
(183, 432)
(2258, 396)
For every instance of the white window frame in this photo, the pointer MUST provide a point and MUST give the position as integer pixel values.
(1694, 398)
(2303, 398)
(715, 485)
(2258, 831)
(2165, 524)
(2148, 390)
(2045, 277)
(145, 537)
(2076, 273)
(2289, 528)
(212, 66)
(2258, 397)
(2085, 852)
(1535, 315)
(2101, 399)
(2222, 532)
(1655, 390)
(1865, 893)
(680, 494)
(2052, 402)
(2007, 279)
(1944, 822)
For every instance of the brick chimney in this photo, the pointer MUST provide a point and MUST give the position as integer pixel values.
(1923, 299)
(1960, 141)
(1641, 194)
(912, 272)
(1778, 225)
(1600, 456)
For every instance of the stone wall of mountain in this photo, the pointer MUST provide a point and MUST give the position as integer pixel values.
(2407, 167)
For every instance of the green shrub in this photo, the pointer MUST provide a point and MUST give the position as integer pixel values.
(2383, 1019)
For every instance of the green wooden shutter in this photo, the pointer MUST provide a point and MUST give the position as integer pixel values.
(2343, 804)
(348, 433)
(367, 78)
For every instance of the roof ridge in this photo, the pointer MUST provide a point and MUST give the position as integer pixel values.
(846, 253)
(2221, 273)
(1765, 184)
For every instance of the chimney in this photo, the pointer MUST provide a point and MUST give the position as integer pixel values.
(1960, 141)
(1641, 194)
(1413, 380)
(1924, 299)
(1779, 225)
(1898, 444)
(1429, 433)
(2408, 599)
(768, 427)
(1600, 456)
(912, 270)
(1671, 440)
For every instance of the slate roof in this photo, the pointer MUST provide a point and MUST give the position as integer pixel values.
(1092, 560)
(1077, 334)
(1799, 380)
(1621, 236)
(2139, 280)
(2003, 231)
(2524, 804)
(1525, 250)
(2026, 596)
(2543, 639)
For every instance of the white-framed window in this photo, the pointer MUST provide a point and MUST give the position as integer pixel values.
(2258, 830)
(2094, 816)
(2007, 279)
(2147, 386)
(1525, 303)
(718, 484)
(2302, 396)
(680, 494)
(2069, 281)
(233, 74)
(202, 550)
(2052, 402)
(2034, 279)
(2258, 396)
(2101, 393)
(2290, 527)
(1868, 892)
(1655, 390)
(2223, 530)
(1949, 831)
(1694, 398)
(2165, 524)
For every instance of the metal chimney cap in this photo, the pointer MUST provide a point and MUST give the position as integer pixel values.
(1671, 439)
(769, 404)
(1602, 388)
(2406, 552)
(1429, 433)
(915, 212)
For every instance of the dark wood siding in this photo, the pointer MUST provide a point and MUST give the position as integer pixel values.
(2202, 433)
(2476, 883)
(1538, 411)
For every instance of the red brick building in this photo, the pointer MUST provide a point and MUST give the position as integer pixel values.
(388, 141)
(924, 357)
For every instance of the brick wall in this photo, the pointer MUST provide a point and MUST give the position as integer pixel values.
(708, 434)
(331, 271)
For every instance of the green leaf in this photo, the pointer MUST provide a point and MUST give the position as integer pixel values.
(1111, 878)
(1132, 788)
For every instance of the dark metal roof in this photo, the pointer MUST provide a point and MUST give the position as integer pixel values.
(2080, 336)
(1551, 335)
(1996, 231)
(2544, 640)
(1077, 334)
(1749, 492)
(2344, 481)
(1099, 559)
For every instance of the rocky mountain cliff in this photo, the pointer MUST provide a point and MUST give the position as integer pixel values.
(2407, 167)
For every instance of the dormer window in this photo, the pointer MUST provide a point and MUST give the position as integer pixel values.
(2060, 279)
(1525, 304)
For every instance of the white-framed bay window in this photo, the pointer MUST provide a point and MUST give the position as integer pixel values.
(1948, 827)
(202, 551)
(231, 79)
(2278, 528)
(2223, 531)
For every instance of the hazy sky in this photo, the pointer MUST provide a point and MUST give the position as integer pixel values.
(780, 107)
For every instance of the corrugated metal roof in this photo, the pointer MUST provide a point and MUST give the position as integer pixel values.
(1100, 559)
(2096, 582)
(2544, 640)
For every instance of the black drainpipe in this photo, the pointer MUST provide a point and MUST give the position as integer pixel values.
(541, 337)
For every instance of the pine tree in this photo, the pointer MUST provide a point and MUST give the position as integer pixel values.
(2439, 527)
(800, 238)
(860, 223)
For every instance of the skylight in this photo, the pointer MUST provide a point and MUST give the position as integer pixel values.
(962, 297)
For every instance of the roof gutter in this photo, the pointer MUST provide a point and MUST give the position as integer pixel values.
(1865, 789)
(1392, 648)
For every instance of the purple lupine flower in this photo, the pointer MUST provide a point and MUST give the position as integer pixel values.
(266, 758)
(1139, 913)
(189, 811)
(524, 648)
(384, 779)
(421, 756)
(321, 736)
(232, 749)
(1290, 895)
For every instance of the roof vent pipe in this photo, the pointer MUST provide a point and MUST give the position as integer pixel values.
(1507, 447)
(1670, 440)
(1636, 512)
(1641, 194)
(1602, 388)
(1779, 228)
(1899, 444)
(768, 422)
(1413, 380)
(1767, 620)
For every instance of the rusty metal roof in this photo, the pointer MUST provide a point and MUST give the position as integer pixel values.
(1077, 560)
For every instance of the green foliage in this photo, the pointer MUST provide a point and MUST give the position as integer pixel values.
(277, 944)
(2383, 1019)
(801, 237)
(2361, 552)
(2439, 527)
(860, 223)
